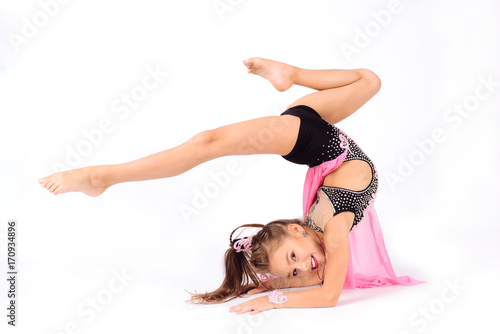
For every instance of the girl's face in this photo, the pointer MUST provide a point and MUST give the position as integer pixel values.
(297, 256)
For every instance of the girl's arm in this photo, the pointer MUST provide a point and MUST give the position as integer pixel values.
(294, 282)
(337, 253)
(280, 283)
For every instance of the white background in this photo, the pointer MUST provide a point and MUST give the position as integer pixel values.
(440, 220)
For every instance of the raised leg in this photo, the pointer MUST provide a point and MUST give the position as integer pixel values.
(265, 135)
(341, 92)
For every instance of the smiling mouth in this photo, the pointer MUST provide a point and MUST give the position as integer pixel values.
(314, 263)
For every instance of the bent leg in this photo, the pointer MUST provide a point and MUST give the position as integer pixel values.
(282, 76)
(265, 135)
(341, 92)
(338, 103)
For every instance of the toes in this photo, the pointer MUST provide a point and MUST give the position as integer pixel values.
(248, 62)
(46, 182)
(49, 183)
(57, 190)
(43, 181)
(53, 187)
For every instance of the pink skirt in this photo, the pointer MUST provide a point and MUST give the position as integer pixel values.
(369, 263)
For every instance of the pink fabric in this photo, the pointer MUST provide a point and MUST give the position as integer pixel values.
(369, 263)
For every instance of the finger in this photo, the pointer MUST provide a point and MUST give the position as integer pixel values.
(242, 310)
(237, 309)
(260, 289)
(245, 311)
(246, 308)
(255, 312)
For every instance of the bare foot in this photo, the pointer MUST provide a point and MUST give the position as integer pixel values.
(81, 180)
(279, 74)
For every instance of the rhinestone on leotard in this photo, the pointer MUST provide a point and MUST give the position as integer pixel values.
(357, 202)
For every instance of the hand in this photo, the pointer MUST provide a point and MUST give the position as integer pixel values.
(255, 306)
(259, 289)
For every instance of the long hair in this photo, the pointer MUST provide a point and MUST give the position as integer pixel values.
(243, 267)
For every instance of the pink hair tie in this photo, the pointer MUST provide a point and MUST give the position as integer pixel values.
(277, 297)
(263, 277)
(242, 244)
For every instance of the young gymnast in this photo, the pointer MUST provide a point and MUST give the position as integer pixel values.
(339, 190)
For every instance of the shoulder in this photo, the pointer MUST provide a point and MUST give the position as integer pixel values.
(321, 210)
(337, 229)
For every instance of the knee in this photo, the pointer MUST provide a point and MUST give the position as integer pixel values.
(373, 78)
(204, 138)
(208, 143)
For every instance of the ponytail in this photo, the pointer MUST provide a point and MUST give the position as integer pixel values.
(242, 266)
(239, 275)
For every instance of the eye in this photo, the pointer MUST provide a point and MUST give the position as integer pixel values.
(295, 270)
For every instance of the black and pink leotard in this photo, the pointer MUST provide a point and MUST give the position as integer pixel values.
(319, 141)
(324, 147)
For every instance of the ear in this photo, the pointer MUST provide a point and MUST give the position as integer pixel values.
(295, 229)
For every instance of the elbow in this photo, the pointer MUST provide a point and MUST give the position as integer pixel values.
(331, 301)
(328, 297)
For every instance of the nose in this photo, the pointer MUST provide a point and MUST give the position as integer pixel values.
(304, 266)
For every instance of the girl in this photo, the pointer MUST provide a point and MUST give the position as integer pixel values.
(340, 187)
